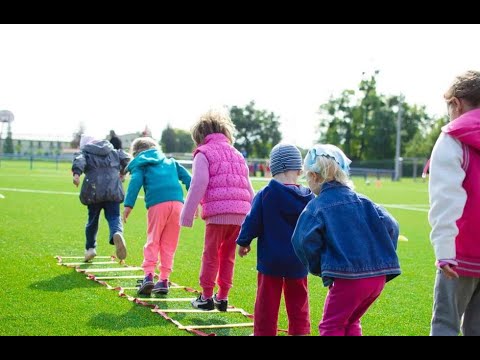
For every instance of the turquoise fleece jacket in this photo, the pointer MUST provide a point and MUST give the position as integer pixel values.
(159, 177)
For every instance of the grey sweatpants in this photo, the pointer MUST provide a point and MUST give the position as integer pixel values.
(453, 298)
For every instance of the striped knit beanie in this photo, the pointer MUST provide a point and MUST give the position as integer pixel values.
(284, 157)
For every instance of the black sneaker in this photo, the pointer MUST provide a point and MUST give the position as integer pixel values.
(161, 287)
(202, 304)
(145, 285)
(221, 305)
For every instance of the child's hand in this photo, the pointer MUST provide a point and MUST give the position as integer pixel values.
(243, 250)
(122, 178)
(76, 180)
(197, 213)
(449, 272)
(126, 212)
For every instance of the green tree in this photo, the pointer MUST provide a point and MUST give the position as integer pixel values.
(257, 130)
(167, 140)
(183, 141)
(363, 123)
(8, 144)
(422, 143)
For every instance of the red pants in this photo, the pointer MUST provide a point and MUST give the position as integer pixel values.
(267, 304)
(346, 302)
(218, 259)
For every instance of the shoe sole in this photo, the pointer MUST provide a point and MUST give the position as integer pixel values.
(199, 308)
(160, 291)
(120, 248)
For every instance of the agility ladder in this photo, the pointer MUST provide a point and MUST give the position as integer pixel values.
(93, 274)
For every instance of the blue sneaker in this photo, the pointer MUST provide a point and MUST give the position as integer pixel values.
(161, 287)
(146, 285)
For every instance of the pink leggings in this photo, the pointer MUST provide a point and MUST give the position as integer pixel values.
(346, 302)
(162, 237)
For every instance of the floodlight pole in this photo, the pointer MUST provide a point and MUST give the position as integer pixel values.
(397, 147)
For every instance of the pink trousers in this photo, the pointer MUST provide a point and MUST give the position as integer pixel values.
(347, 301)
(218, 259)
(163, 221)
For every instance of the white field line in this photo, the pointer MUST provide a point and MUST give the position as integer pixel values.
(413, 207)
(34, 175)
(46, 192)
(40, 191)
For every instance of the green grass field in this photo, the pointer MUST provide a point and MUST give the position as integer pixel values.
(41, 298)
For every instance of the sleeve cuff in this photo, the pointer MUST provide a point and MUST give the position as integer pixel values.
(441, 263)
(186, 222)
(243, 243)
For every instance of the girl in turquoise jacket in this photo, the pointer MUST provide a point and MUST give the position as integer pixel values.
(160, 178)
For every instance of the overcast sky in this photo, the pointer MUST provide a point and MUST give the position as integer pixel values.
(123, 77)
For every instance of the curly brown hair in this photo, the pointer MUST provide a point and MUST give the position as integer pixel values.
(213, 121)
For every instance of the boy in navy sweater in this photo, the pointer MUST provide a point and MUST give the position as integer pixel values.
(272, 219)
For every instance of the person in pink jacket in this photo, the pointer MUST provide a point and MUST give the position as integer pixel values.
(454, 207)
(220, 183)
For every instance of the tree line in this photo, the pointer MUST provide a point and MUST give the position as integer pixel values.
(361, 121)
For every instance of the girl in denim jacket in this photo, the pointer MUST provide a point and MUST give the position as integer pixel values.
(346, 239)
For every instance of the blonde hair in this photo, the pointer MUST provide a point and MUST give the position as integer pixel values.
(141, 144)
(211, 122)
(327, 169)
(465, 86)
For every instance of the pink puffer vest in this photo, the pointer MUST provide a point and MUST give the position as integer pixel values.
(227, 191)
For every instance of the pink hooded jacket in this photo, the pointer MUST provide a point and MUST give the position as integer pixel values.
(466, 129)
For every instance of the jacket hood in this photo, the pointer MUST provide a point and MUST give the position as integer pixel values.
(466, 128)
(102, 147)
(294, 198)
(147, 157)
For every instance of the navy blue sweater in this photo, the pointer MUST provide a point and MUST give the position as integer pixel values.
(272, 219)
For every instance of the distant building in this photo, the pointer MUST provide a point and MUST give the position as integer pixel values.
(44, 145)
(127, 139)
(31, 145)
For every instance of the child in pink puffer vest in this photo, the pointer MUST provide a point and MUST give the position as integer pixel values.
(220, 184)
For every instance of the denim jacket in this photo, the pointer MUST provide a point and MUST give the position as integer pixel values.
(342, 234)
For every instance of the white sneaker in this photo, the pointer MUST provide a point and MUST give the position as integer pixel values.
(120, 248)
(90, 254)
